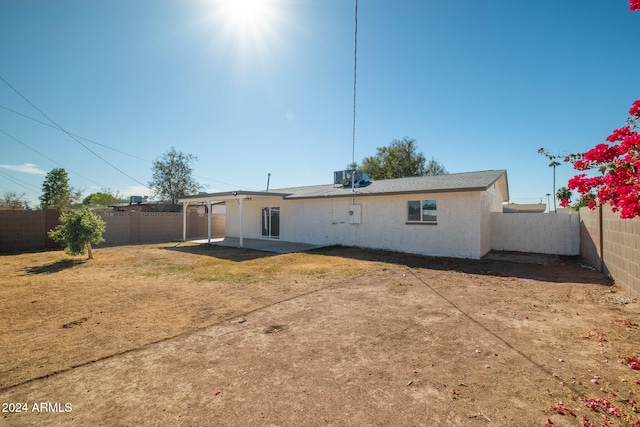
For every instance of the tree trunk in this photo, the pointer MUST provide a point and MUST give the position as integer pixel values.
(89, 250)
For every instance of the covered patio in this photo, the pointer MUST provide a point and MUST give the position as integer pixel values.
(238, 197)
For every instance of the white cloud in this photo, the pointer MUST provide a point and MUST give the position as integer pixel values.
(26, 168)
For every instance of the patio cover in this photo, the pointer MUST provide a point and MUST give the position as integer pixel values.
(211, 198)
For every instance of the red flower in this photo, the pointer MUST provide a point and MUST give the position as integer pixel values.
(618, 134)
(634, 5)
(635, 107)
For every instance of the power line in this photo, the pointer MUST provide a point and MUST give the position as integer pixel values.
(75, 138)
(76, 135)
(71, 135)
(50, 159)
(19, 181)
(100, 144)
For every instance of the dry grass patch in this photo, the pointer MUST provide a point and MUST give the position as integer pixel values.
(60, 312)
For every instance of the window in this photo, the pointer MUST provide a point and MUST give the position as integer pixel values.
(422, 211)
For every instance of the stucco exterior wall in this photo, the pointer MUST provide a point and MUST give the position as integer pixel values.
(383, 223)
(544, 233)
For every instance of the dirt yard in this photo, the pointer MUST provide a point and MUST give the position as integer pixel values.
(199, 336)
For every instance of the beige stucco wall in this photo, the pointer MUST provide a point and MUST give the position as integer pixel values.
(462, 230)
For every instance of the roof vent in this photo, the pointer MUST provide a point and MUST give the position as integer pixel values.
(350, 177)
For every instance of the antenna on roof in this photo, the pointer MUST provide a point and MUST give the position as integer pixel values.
(268, 179)
(355, 69)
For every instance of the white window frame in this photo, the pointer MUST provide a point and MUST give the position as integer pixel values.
(427, 216)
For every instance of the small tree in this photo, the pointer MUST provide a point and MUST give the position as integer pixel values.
(172, 176)
(55, 190)
(78, 230)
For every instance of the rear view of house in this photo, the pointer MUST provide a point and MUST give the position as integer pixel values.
(444, 215)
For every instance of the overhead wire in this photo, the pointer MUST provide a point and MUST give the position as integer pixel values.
(71, 135)
(96, 143)
(18, 181)
(50, 159)
(74, 134)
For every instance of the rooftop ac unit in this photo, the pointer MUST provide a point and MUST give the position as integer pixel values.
(350, 177)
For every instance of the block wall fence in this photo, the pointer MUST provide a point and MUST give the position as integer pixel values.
(604, 241)
(27, 230)
(543, 233)
(612, 245)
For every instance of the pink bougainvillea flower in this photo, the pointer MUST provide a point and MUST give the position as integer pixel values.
(634, 5)
(620, 133)
(635, 107)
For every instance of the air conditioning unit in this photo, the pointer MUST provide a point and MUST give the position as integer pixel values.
(350, 177)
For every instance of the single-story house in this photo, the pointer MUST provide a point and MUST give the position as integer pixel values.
(444, 215)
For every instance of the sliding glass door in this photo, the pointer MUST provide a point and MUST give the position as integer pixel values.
(271, 223)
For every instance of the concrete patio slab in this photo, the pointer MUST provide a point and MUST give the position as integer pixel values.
(266, 245)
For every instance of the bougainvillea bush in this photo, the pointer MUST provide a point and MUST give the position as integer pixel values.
(618, 162)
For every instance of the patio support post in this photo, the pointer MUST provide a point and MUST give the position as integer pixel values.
(241, 237)
(208, 221)
(184, 221)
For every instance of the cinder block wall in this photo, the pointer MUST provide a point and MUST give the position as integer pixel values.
(543, 233)
(590, 242)
(27, 230)
(197, 225)
(619, 253)
(146, 227)
(117, 227)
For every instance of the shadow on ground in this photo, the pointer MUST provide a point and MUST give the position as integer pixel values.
(559, 269)
(222, 252)
(53, 267)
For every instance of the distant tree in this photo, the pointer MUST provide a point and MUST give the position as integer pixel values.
(553, 163)
(172, 176)
(398, 160)
(14, 201)
(56, 193)
(102, 199)
(78, 229)
(434, 167)
(563, 194)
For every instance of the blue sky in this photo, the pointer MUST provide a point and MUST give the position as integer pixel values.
(478, 84)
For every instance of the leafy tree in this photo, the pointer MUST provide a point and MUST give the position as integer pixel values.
(435, 168)
(398, 160)
(102, 199)
(172, 176)
(56, 193)
(78, 229)
(563, 194)
(14, 201)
